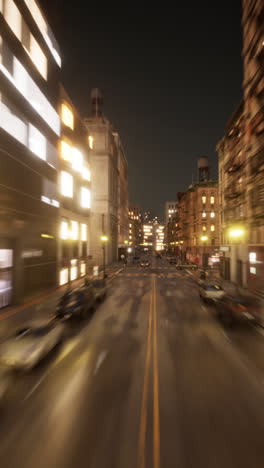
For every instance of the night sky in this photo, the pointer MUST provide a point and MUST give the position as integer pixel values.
(171, 80)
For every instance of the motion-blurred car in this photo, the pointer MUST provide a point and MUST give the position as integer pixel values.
(76, 303)
(5, 383)
(144, 263)
(30, 344)
(232, 309)
(100, 289)
(187, 266)
(211, 292)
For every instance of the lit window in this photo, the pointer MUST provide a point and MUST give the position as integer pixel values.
(74, 269)
(38, 57)
(77, 160)
(37, 142)
(253, 270)
(212, 214)
(204, 228)
(64, 230)
(85, 198)
(204, 199)
(212, 200)
(64, 276)
(86, 174)
(66, 184)
(204, 214)
(83, 232)
(212, 227)
(83, 268)
(75, 230)
(66, 151)
(44, 29)
(13, 18)
(67, 116)
(91, 141)
(252, 257)
(12, 124)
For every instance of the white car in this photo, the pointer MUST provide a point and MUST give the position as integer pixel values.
(211, 291)
(30, 344)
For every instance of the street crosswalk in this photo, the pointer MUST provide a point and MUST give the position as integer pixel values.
(171, 275)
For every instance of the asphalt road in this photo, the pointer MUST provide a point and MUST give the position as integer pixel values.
(152, 380)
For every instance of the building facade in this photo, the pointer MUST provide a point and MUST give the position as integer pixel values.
(253, 85)
(135, 234)
(233, 200)
(198, 231)
(75, 194)
(29, 134)
(171, 225)
(109, 188)
(241, 165)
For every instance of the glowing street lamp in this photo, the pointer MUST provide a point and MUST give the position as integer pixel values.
(204, 238)
(236, 233)
(104, 239)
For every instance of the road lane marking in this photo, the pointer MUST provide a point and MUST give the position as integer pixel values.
(156, 415)
(100, 360)
(35, 387)
(144, 403)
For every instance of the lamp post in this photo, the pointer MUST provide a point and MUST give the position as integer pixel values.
(104, 239)
(204, 239)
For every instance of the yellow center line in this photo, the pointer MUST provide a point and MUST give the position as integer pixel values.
(156, 415)
(151, 343)
(144, 405)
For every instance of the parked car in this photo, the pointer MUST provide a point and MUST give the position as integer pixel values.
(145, 263)
(30, 344)
(211, 291)
(77, 303)
(100, 289)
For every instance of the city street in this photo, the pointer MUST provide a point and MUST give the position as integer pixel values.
(152, 380)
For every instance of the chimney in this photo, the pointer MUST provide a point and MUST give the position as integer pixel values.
(97, 102)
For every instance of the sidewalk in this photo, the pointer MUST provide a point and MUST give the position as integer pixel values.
(44, 304)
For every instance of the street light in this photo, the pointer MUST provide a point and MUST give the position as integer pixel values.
(236, 233)
(204, 238)
(104, 239)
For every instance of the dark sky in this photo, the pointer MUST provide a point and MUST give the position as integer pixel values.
(171, 79)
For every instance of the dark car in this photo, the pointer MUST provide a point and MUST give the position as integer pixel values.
(234, 309)
(136, 260)
(145, 263)
(173, 261)
(76, 303)
(100, 289)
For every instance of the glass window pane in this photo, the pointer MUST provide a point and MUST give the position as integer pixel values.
(13, 18)
(37, 142)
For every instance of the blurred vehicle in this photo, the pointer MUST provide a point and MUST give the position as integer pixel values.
(5, 383)
(211, 291)
(77, 303)
(100, 289)
(30, 344)
(144, 263)
(173, 261)
(231, 309)
(187, 266)
(136, 260)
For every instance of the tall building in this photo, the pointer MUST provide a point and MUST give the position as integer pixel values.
(29, 134)
(109, 187)
(241, 162)
(159, 234)
(135, 235)
(233, 198)
(253, 84)
(198, 230)
(75, 194)
(171, 224)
